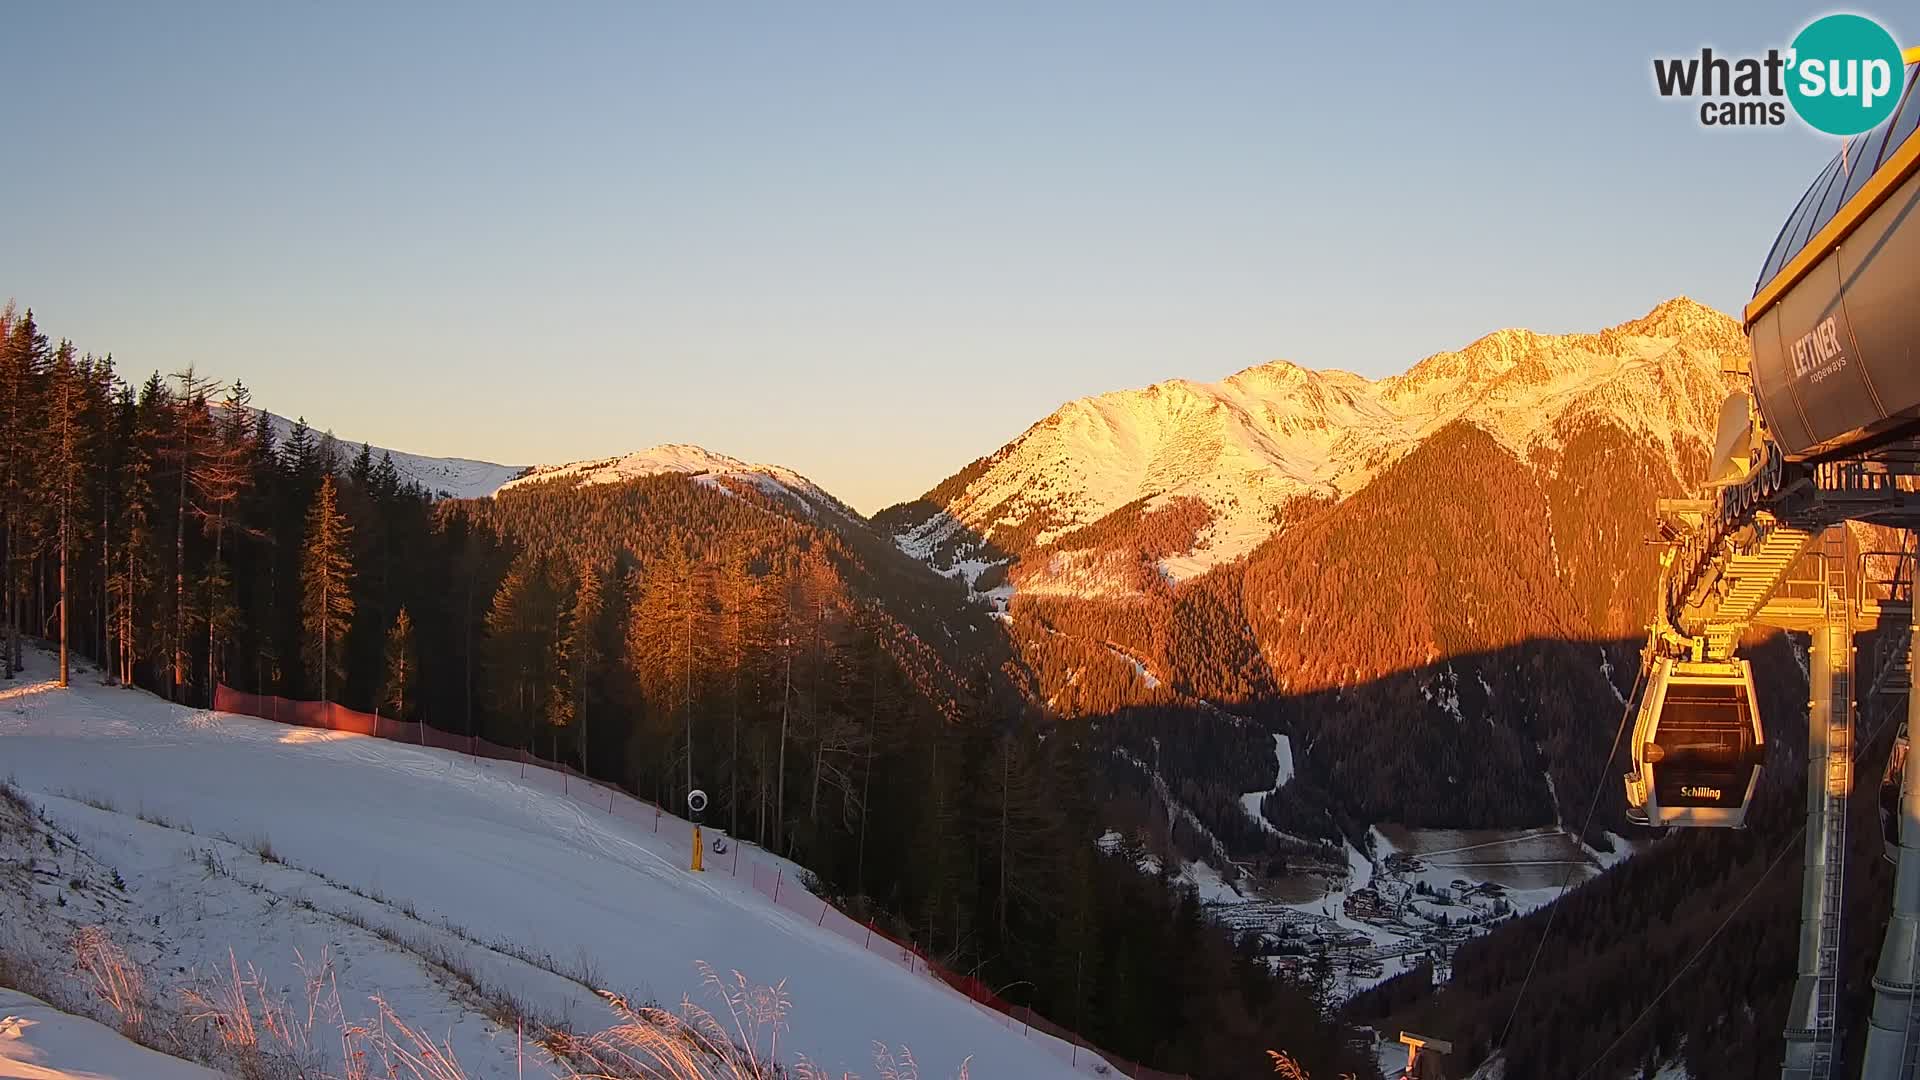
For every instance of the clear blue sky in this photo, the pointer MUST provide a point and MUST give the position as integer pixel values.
(868, 241)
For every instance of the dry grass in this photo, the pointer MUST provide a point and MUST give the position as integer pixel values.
(693, 1043)
(390, 1048)
(1287, 1066)
(154, 817)
(114, 977)
(260, 1031)
(10, 797)
(741, 1042)
(262, 846)
(98, 802)
(235, 1021)
(17, 972)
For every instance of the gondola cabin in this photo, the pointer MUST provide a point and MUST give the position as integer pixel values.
(1697, 745)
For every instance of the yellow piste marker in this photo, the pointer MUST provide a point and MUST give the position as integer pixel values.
(697, 805)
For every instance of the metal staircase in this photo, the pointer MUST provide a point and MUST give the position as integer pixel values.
(1812, 1045)
(1839, 783)
(1752, 579)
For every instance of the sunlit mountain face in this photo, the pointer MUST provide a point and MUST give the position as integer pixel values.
(1200, 474)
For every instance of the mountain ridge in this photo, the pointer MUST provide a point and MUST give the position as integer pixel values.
(705, 466)
(1249, 445)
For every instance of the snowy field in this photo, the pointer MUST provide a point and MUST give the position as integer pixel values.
(39, 1042)
(431, 880)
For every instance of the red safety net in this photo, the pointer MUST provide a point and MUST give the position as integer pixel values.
(767, 876)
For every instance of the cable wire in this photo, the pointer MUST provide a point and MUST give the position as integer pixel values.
(1860, 752)
(1697, 953)
(1553, 909)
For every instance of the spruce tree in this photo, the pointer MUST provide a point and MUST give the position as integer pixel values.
(140, 600)
(583, 653)
(192, 438)
(23, 360)
(69, 421)
(666, 640)
(385, 481)
(521, 632)
(403, 671)
(326, 585)
(225, 473)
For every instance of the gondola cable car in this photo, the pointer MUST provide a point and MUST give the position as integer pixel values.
(1697, 745)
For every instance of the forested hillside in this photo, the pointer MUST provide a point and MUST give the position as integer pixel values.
(1444, 579)
(843, 704)
(1443, 645)
(1471, 644)
(1687, 951)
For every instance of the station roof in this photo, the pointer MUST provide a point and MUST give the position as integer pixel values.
(1860, 177)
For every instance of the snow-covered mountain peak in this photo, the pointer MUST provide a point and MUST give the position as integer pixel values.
(1249, 445)
(1678, 318)
(443, 477)
(707, 466)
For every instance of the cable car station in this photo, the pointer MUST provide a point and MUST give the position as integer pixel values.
(1827, 433)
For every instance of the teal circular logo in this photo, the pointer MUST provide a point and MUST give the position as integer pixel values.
(1845, 74)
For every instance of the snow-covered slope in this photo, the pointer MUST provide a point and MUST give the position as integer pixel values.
(40, 1042)
(1250, 444)
(452, 478)
(710, 468)
(404, 865)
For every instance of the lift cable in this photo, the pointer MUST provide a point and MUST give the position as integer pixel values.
(1697, 953)
(1860, 751)
(1553, 909)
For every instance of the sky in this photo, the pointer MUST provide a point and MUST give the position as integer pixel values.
(871, 242)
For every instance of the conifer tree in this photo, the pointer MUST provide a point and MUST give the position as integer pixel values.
(225, 473)
(583, 654)
(361, 473)
(521, 631)
(326, 585)
(192, 436)
(557, 710)
(69, 418)
(666, 645)
(385, 482)
(751, 612)
(138, 603)
(23, 359)
(403, 671)
(262, 578)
